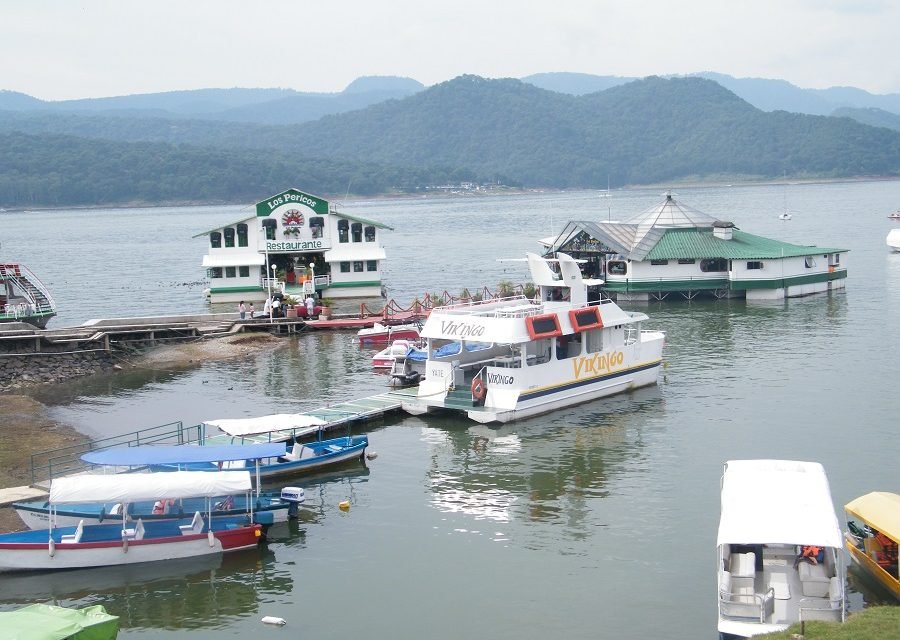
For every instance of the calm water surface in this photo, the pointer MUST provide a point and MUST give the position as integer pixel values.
(574, 524)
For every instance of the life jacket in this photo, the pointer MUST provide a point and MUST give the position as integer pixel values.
(811, 551)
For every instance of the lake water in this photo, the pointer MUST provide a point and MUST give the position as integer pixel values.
(595, 521)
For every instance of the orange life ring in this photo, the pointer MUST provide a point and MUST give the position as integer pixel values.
(479, 390)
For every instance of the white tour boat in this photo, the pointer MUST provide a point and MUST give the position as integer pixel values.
(779, 554)
(508, 358)
(893, 239)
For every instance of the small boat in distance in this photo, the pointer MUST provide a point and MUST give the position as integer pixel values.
(779, 552)
(385, 333)
(23, 297)
(895, 215)
(508, 358)
(785, 216)
(873, 536)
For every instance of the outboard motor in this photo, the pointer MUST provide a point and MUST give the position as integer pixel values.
(295, 496)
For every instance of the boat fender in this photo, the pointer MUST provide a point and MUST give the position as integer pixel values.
(479, 390)
(211, 537)
(344, 505)
(51, 547)
(371, 455)
(124, 543)
(273, 620)
(102, 513)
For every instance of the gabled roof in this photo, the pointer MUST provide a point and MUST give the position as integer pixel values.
(701, 243)
(348, 216)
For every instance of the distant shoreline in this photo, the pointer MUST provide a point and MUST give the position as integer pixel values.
(505, 191)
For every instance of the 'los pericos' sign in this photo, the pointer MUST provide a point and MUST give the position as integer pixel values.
(292, 197)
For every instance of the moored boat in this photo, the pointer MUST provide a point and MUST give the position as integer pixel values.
(266, 507)
(893, 239)
(103, 545)
(778, 554)
(874, 539)
(895, 215)
(23, 297)
(385, 333)
(385, 358)
(509, 358)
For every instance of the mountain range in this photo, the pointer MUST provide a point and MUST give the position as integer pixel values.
(384, 134)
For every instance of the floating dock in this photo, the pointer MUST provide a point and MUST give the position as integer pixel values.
(59, 462)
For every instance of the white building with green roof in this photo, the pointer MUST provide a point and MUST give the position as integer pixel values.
(295, 243)
(674, 249)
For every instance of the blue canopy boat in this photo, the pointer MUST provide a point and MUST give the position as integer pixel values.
(266, 508)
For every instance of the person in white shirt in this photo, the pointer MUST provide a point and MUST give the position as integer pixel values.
(310, 306)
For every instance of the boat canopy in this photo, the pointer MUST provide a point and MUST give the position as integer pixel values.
(49, 622)
(265, 424)
(134, 487)
(777, 502)
(880, 510)
(183, 454)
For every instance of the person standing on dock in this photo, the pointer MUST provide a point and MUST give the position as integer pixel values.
(252, 311)
(310, 305)
(242, 310)
(267, 308)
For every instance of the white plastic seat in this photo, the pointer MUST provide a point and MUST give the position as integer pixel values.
(75, 537)
(196, 525)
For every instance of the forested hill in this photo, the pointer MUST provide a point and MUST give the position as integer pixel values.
(648, 131)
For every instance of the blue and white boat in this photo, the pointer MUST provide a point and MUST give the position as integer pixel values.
(266, 507)
(121, 542)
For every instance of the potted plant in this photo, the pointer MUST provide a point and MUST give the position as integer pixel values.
(325, 311)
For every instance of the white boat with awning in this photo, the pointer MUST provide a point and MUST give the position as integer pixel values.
(779, 548)
(118, 543)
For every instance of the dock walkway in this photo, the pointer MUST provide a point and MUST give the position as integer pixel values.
(336, 416)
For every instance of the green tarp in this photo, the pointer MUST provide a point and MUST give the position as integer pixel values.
(47, 622)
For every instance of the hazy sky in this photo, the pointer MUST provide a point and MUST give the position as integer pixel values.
(60, 49)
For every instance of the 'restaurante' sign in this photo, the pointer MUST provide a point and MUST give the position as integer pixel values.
(293, 198)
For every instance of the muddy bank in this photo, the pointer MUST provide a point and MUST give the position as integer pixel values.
(185, 355)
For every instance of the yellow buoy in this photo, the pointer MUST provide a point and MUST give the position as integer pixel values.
(345, 505)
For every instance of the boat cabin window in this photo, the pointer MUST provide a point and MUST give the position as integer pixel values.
(568, 346)
(659, 263)
(317, 226)
(242, 234)
(593, 341)
(343, 231)
(230, 272)
(686, 261)
(370, 233)
(357, 266)
(345, 267)
(215, 240)
(244, 271)
(617, 267)
(810, 262)
(215, 272)
(713, 264)
(270, 225)
(371, 265)
(356, 231)
(754, 264)
(228, 232)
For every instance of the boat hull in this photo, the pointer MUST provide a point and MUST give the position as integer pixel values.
(43, 556)
(867, 564)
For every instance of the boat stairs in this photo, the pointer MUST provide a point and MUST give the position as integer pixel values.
(46, 465)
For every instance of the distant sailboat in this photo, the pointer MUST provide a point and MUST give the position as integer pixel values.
(785, 215)
(607, 194)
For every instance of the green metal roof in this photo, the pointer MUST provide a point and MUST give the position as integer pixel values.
(701, 243)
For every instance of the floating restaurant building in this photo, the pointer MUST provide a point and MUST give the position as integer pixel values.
(674, 249)
(296, 243)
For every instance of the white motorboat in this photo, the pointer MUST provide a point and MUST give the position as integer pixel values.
(122, 542)
(386, 333)
(893, 240)
(779, 553)
(385, 358)
(785, 216)
(508, 358)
